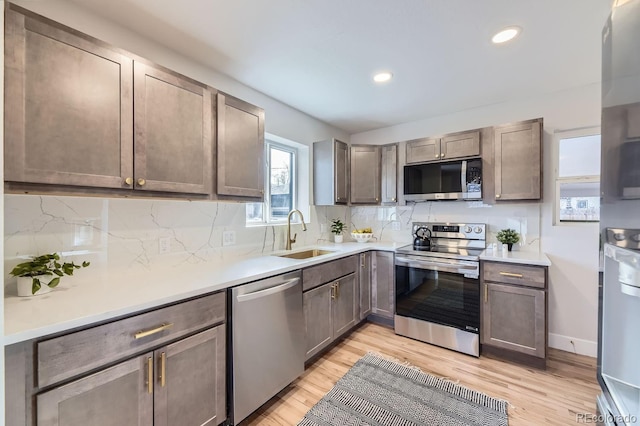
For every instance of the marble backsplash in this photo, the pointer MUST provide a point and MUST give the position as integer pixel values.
(126, 233)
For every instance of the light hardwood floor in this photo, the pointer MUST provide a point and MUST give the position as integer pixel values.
(536, 397)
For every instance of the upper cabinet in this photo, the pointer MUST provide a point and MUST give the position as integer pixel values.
(330, 172)
(518, 161)
(389, 174)
(451, 146)
(240, 148)
(81, 114)
(173, 121)
(68, 107)
(365, 174)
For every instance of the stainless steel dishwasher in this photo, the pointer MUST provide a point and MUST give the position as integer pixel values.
(268, 340)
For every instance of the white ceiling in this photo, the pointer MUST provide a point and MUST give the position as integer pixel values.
(319, 55)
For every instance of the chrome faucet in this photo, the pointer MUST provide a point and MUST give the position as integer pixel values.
(304, 228)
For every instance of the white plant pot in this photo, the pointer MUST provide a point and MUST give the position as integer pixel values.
(25, 284)
(337, 238)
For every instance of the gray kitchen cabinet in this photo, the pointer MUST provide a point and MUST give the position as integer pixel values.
(383, 284)
(364, 277)
(240, 148)
(173, 132)
(55, 130)
(147, 369)
(330, 173)
(364, 174)
(389, 174)
(518, 161)
(80, 113)
(330, 310)
(450, 146)
(514, 311)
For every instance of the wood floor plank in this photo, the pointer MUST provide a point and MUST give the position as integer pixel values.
(536, 397)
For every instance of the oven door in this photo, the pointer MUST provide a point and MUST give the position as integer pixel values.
(440, 291)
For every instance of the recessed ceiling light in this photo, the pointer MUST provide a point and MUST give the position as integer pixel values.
(381, 77)
(505, 35)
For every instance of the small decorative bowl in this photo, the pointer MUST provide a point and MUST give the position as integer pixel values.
(361, 238)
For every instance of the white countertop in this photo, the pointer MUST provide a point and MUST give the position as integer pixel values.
(523, 257)
(100, 294)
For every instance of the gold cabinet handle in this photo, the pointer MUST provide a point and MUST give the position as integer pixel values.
(337, 289)
(150, 375)
(393, 199)
(442, 155)
(497, 195)
(161, 327)
(509, 274)
(437, 155)
(129, 181)
(141, 182)
(333, 291)
(486, 293)
(163, 368)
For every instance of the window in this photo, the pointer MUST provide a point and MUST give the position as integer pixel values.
(280, 185)
(578, 177)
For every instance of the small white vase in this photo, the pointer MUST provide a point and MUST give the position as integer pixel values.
(337, 238)
(25, 285)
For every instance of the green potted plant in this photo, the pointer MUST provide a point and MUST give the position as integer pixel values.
(337, 228)
(508, 237)
(42, 273)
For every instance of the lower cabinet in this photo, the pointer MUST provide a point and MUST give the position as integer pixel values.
(382, 284)
(172, 385)
(514, 310)
(329, 311)
(171, 371)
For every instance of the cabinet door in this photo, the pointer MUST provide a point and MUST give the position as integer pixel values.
(345, 305)
(383, 284)
(317, 318)
(173, 139)
(68, 111)
(120, 395)
(389, 174)
(240, 148)
(341, 162)
(190, 381)
(421, 150)
(365, 174)
(365, 284)
(518, 161)
(513, 317)
(458, 145)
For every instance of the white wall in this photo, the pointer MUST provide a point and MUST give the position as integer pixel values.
(280, 119)
(573, 289)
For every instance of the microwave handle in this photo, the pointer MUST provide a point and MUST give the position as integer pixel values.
(463, 176)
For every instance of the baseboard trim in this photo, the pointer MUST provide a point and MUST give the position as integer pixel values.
(579, 346)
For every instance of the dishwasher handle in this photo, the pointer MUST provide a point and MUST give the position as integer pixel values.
(268, 291)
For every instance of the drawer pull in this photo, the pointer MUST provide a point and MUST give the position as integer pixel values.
(163, 368)
(486, 293)
(333, 291)
(338, 289)
(162, 327)
(510, 274)
(150, 375)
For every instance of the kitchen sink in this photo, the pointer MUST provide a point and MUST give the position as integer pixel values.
(306, 254)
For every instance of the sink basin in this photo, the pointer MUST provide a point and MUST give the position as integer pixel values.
(306, 254)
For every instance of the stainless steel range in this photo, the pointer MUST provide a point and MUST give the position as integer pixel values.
(438, 286)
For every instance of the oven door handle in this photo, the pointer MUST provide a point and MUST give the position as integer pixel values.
(436, 266)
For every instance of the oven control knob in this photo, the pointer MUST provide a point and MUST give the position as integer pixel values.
(467, 230)
(478, 230)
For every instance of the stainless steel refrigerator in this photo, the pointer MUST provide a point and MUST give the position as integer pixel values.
(619, 307)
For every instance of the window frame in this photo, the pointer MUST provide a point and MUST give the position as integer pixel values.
(558, 181)
(267, 218)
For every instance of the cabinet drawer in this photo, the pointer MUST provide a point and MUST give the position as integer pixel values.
(527, 275)
(72, 354)
(326, 272)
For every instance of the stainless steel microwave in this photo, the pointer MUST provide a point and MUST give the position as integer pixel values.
(452, 180)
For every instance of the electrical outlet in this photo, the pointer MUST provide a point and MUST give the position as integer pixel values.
(164, 245)
(395, 225)
(228, 238)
